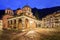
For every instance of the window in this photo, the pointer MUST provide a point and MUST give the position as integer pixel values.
(28, 13)
(14, 21)
(11, 21)
(56, 21)
(39, 25)
(26, 20)
(8, 22)
(14, 27)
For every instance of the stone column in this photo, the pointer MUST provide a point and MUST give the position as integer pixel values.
(33, 24)
(8, 23)
(23, 23)
(12, 23)
(17, 23)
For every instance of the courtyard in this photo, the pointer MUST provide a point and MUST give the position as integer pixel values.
(32, 34)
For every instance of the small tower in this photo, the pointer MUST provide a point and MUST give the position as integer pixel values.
(9, 11)
(8, 14)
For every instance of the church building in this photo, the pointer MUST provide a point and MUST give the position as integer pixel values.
(24, 19)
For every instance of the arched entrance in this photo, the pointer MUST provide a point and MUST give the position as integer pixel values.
(19, 24)
(14, 24)
(26, 23)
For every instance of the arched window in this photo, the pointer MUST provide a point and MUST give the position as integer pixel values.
(28, 13)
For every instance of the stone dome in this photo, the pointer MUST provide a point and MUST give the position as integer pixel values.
(26, 8)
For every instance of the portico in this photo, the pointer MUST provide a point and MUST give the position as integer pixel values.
(22, 22)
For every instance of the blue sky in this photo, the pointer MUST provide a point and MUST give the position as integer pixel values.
(40, 4)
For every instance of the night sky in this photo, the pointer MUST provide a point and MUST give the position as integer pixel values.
(40, 4)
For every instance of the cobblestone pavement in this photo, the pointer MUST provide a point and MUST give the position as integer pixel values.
(41, 34)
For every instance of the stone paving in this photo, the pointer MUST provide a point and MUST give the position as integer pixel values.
(35, 34)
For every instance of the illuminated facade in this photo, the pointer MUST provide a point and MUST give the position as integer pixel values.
(23, 20)
(52, 21)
